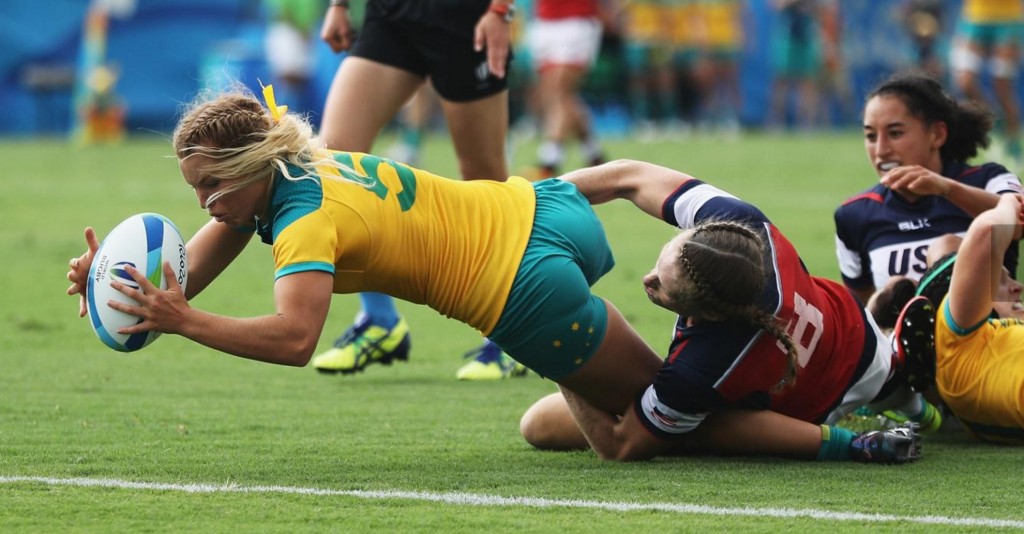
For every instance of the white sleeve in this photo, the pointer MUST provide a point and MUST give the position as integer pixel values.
(687, 205)
(665, 419)
(1004, 182)
(849, 261)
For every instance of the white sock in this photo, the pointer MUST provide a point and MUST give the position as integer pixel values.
(550, 154)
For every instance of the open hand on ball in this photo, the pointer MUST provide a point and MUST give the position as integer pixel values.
(78, 274)
(160, 310)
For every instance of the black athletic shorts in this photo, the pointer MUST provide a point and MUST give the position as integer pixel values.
(457, 72)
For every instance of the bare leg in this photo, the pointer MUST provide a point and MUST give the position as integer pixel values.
(756, 432)
(363, 98)
(478, 130)
(622, 367)
(549, 425)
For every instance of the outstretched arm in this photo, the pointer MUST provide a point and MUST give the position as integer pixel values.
(728, 432)
(645, 184)
(288, 337)
(210, 251)
(979, 263)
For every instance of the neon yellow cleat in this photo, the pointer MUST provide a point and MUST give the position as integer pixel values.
(365, 343)
(929, 419)
(490, 363)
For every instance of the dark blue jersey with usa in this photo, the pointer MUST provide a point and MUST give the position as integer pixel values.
(880, 235)
(713, 365)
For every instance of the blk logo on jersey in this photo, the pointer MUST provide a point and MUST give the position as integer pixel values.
(910, 226)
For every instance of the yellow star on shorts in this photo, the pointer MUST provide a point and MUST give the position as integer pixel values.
(575, 326)
(556, 343)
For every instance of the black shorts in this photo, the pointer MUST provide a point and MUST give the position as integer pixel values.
(457, 72)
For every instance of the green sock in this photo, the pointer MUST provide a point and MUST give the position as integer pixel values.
(835, 444)
(412, 136)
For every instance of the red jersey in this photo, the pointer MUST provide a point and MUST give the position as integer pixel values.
(564, 9)
(714, 365)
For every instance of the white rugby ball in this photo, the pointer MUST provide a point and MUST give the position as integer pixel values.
(144, 241)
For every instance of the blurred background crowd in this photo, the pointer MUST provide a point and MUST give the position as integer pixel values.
(665, 66)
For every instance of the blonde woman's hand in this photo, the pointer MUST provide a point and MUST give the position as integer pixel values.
(162, 310)
(78, 273)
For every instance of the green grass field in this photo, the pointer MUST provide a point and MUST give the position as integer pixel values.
(178, 437)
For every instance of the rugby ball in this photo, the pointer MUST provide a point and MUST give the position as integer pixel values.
(144, 241)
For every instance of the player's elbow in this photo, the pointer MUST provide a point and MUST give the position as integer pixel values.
(629, 175)
(298, 350)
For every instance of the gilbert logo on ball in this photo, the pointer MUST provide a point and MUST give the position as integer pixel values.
(118, 273)
(144, 241)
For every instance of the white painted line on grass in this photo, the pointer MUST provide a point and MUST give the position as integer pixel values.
(470, 499)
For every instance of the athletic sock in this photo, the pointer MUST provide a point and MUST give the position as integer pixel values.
(412, 137)
(835, 444)
(916, 405)
(550, 154)
(380, 308)
(592, 151)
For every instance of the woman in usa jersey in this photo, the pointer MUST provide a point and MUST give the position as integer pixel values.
(919, 140)
(755, 331)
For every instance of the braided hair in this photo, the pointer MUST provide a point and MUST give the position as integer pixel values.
(725, 264)
(246, 143)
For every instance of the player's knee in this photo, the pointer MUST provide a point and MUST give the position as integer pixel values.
(538, 431)
(532, 428)
(547, 425)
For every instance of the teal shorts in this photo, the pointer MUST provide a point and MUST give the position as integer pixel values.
(552, 323)
(990, 34)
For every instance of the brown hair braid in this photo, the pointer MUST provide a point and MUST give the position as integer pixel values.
(725, 261)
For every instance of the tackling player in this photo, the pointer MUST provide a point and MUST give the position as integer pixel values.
(755, 331)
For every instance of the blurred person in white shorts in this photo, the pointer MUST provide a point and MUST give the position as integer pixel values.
(564, 40)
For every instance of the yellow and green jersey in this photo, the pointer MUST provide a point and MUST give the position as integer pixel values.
(385, 227)
(993, 11)
(980, 374)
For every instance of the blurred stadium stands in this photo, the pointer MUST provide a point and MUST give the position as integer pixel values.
(167, 50)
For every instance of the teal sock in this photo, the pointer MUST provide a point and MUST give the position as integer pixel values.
(835, 444)
(412, 136)
(380, 308)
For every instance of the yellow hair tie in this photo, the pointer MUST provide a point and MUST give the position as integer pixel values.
(268, 95)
